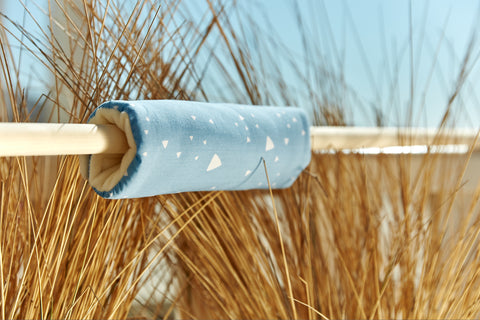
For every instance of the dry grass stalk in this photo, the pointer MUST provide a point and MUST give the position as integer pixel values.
(361, 241)
(355, 237)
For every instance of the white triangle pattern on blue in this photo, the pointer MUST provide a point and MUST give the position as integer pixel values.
(204, 149)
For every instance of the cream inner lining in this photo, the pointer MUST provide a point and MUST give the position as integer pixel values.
(106, 170)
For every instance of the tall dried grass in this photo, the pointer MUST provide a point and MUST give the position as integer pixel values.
(356, 236)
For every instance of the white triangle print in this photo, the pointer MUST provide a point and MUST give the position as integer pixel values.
(247, 172)
(286, 140)
(165, 143)
(269, 145)
(191, 138)
(214, 163)
(178, 154)
(248, 139)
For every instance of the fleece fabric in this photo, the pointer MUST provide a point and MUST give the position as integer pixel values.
(180, 146)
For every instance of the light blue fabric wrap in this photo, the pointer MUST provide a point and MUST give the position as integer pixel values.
(193, 146)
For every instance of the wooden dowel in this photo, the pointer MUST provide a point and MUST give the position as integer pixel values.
(339, 138)
(40, 139)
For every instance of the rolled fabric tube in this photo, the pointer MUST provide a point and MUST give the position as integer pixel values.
(180, 146)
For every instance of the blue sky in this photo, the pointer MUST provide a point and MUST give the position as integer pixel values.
(372, 37)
